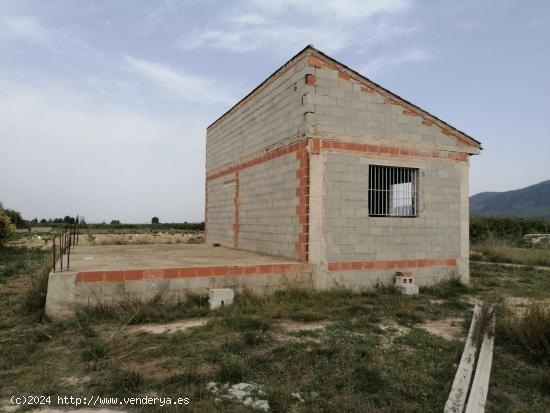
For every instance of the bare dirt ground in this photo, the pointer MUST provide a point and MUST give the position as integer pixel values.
(287, 329)
(169, 328)
(448, 328)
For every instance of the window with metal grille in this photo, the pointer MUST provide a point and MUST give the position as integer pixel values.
(393, 191)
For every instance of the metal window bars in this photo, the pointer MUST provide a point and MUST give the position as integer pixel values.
(393, 191)
(66, 242)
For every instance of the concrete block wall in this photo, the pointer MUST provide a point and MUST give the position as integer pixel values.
(352, 236)
(345, 106)
(264, 206)
(221, 210)
(272, 114)
(358, 123)
(260, 213)
(267, 208)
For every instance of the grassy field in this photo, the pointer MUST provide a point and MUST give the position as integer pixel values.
(510, 253)
(16, 260)
(371, 351)
(102, 236)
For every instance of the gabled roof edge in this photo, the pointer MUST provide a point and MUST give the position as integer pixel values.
(310, 47)
(261, 84)
(395, 95)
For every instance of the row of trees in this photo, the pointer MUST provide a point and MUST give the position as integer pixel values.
(509, 228)
(10, 220)
(19, 222)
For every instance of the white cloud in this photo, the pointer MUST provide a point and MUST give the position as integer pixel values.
(291, 24)
(24, 28)
(66, 151)
(57, 115)
(28, 29)
(187, 87)
(412, 55)
(249, 37)
(342, 9)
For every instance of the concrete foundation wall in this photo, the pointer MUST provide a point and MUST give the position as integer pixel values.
(361, 279)
(67, 291)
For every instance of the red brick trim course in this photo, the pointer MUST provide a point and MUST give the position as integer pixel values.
(167, 273)
(321, 143)
(258, 160)
(386, 265)
(386, 150)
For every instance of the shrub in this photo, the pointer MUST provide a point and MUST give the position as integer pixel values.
(529, 332)
(94, 349)
(252, 338)
(368, 379)
(7, 228)
(231, 369)
(91, 237)
(34, 298)
(509, 228)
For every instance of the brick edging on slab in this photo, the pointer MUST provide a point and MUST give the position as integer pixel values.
(385, 265)
(167, 273)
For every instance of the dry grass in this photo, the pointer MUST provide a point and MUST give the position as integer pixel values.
(502, 251)
(529, 332)
(351, 365)
(141, 239)
(34, 297)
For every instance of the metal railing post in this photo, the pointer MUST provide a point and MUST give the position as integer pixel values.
(69, 254)
(53, 250)
(61, 251)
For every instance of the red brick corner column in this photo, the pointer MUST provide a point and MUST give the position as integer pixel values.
(302, 209)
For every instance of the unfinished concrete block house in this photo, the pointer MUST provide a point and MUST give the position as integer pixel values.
(318, 178)
(321, 165)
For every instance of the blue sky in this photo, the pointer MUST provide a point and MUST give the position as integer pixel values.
(104, 104)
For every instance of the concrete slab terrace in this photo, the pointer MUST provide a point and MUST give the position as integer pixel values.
(155, 256)
(114, 273)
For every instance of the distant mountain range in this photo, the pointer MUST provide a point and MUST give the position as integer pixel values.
(530, 202)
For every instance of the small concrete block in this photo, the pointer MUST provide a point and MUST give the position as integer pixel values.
(404, 282)
(219, 297)
(408, 289)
